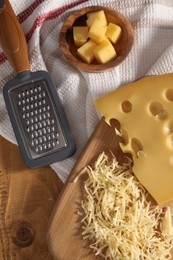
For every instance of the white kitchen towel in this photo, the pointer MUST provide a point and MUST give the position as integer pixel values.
(152, 54)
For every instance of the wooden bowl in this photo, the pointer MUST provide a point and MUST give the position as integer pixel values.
(78, 18)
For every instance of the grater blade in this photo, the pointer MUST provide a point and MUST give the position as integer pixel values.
(37, 118)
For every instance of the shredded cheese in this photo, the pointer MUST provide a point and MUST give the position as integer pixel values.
(118, 219)
(166, 225)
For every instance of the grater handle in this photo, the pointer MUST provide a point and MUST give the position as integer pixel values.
(12, 39)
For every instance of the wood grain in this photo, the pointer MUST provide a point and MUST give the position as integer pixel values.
(27, 198)
(78, 18)
(64, 235)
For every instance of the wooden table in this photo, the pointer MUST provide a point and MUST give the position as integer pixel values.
(27, 198)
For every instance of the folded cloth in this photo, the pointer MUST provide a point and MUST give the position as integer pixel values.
(41, 20)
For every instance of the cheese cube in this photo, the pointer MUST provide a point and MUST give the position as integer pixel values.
(100, 15)
(113, 32)
(85, 52)
(104, 52)
(80, 35)
(97, 31)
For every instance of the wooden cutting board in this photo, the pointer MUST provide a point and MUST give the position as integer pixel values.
(64, 235)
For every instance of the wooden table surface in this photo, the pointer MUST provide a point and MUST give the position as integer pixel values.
(27, 198)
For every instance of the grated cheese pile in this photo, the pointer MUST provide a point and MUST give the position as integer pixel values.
(119, 221)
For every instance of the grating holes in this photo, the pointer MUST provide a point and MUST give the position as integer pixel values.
(27, 129)
(169, 94)
(126, 106)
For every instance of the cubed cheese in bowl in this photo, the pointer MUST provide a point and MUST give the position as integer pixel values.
(107, 28)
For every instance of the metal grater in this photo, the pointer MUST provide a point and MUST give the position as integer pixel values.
(38, 120)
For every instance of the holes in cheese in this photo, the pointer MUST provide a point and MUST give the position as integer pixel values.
(169, 94)
(126, 106)
(157, 110)
(168, 128)
(151, 122)
(136, 147)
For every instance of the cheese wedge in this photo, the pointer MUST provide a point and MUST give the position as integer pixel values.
(145, 112)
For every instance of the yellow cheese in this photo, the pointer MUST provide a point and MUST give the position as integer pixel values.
(85, 52)
(100, 15)
(166, 225)
(104, 52)
(113, 32)
(97, 31)
(145, 112)
(80, 35)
